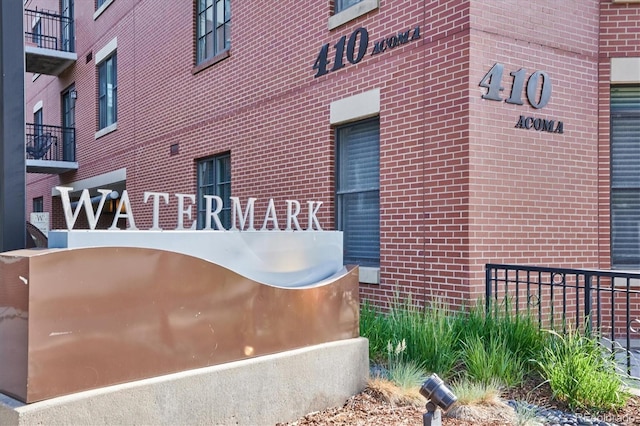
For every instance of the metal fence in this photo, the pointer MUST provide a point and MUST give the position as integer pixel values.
(51, 143)
(602, 301)
(48, 30)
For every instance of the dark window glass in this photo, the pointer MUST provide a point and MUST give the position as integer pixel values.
(68, 124)
(66, 9)
(107, 92)
(37, 125)
(214, 178)
(213, 28)
(36, 33)
(38, 204)
(344, 4)
(37, 119)
(358, 191)
(625, 177)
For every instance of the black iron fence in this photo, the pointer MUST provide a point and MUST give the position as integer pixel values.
(48, 30)
(51, 143)
(604, 301)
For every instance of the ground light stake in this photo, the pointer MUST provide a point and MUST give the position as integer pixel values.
(438, 396)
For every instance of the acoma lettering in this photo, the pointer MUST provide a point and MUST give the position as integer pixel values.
(540, 124)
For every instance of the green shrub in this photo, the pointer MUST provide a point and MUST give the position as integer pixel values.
(375, 327)
(520, 334)
(489, 360)
(429, 335)
(581, 373)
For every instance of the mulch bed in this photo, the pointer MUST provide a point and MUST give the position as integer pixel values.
(368, 408)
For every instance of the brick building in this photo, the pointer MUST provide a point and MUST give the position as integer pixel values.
(439, 135)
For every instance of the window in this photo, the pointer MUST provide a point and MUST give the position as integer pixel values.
(36, 33)
(101, 7)
(66, 21)
(358, 191)
(347, 10)
(38, 130)
(38, 204)
(108, 92)
(625, 179)
(69, 124)
(344, 4)
(37, 119)
(214, 178)
(213, 28)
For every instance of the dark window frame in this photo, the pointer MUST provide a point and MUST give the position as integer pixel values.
(625, 183)
(110, 63)
(212, 30)
(38, 123)
(38, 204)
(36, 33)
(219, 183)
(361, 246)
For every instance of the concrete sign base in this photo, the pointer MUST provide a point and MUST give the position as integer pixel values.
(259, 391)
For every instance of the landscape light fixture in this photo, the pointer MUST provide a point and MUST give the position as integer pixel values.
(439, 396)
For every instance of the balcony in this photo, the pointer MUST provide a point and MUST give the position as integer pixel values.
(50, 149)
(49, 42)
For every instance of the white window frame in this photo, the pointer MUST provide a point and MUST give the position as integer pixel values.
(101, 8)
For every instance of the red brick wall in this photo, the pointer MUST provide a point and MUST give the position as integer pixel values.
(533, 194)
(459, 185)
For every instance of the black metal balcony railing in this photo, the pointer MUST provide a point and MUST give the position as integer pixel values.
(605, 302)
(48, 30)
(52, 143)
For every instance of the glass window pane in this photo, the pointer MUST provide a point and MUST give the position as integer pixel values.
(224, 172)
(220, 39)
(210, 45)
(115, 106)
(625, 235)
(361, 222)
(213, 28)
(357, 191)
(114, 66)
(209, 22)
(214, 178)
(201, 49)
(102, 79)
(219, 13)
(625, 178)
(107, 89)
(344, 4)
(202, 25)
(227, 32)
